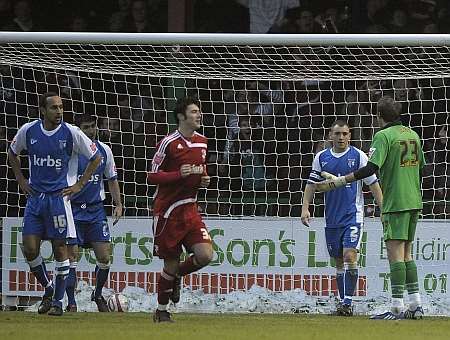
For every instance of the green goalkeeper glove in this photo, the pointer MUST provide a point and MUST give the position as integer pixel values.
(331, 182)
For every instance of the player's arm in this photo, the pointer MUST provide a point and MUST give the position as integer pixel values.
(163, 177)
(205, 179)
(332, 182)
(113, 185)
(84, 146)
(14, 161)
(377, 156)
(377, 194)
(114, 189)
(88, 172)
(157, 173)
(18, 144)
(314, 181)
(308, 196)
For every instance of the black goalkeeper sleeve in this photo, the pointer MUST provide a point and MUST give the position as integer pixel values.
(365, 171)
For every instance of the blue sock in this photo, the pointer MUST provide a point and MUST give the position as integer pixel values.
(340, 282)
(101, 271)
(61, 272)
(37, 267)
(71, 283)
(350, 281)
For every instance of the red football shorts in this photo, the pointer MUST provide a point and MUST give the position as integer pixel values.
(183, 227)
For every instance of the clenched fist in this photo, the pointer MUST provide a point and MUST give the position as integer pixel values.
(204, 182)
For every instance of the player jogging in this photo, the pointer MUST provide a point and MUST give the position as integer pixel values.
(179, 170)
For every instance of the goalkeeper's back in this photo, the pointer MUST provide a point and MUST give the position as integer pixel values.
(397, 151)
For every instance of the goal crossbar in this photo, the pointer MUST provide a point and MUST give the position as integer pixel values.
(234, 56)
(227, 39)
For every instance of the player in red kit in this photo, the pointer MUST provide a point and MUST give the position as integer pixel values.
(179, 170)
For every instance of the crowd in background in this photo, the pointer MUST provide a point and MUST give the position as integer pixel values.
(254, 16)
(263, 134)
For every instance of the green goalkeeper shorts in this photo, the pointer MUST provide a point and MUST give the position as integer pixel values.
(400, 225)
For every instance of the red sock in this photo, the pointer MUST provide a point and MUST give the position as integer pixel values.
(165, 285)
(188, 266)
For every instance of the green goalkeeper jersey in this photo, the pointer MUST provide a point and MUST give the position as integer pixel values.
(397, 152)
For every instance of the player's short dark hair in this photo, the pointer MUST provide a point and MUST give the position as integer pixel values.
(84, 118)
(43, 98)
(340, 122)
(182, 104)
(388, 109)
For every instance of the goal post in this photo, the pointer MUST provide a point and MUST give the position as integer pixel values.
(267, 103)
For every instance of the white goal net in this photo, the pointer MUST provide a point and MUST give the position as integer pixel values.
(267, 103)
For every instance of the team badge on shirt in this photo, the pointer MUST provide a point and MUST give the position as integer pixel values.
(351, 162)
(62, 144)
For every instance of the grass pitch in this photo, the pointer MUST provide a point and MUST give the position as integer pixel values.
(131, 326)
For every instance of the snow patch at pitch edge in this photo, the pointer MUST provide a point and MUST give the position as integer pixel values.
(255, 300)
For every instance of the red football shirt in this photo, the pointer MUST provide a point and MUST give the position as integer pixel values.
(171, 153)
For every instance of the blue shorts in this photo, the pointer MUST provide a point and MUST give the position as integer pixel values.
(49, 216)
(91, 225)
(343, 237)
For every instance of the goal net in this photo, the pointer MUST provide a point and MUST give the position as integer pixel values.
(267, 104)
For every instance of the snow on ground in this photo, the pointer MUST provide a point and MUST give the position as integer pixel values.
(255, 300)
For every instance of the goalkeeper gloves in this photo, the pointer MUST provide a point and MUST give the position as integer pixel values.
(331, 182)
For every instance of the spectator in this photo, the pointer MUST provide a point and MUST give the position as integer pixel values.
(375, 17)
(134, 111)
(117, 19)
(146, 17)
(13, 96)
(305, 22)
(268, 100)
(436, 174)
(68, 85)
(115, 24)
(440, 162)
(109, 130)
(443, 19)
(422, 12)
(78, 24)
(237, 105)
(248, 170)
(3, 170)
(358, 107)
(138, 21)
(399, 21)
(300, 20)
(23, 20)
(265, 13)
(431, 28)
(333, 20)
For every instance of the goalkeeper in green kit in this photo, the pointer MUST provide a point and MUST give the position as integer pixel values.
(397, 153)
